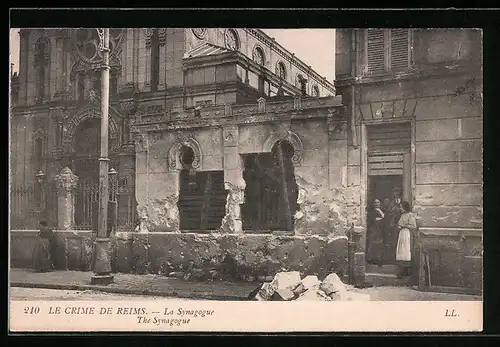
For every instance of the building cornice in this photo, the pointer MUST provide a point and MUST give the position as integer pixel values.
(290, 57)
(295, 109)
(239, 58)
(414, 74)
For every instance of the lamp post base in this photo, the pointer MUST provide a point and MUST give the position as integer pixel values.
(102, 280)
(102, 267)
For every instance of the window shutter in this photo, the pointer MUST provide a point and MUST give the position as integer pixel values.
(399, 49)
(375, 50)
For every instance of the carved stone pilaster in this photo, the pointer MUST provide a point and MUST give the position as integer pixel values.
(297, 103)
(228, 110)
(141, 141)
(231, 223)
(262, 105)
(66, 183)
(129, 107)
(149, 35)
(162, 36)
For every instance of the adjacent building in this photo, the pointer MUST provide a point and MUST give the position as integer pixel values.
(415, 96)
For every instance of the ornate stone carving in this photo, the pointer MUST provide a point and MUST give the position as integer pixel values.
(333, 113)
(42, 51)
(86, 42)
(231, 223)
(281, 69)
(161, 33)
(129, 107)
(258, 55)
(154, 110)
(297, 103)
(71, 123)
(148, 35)
(228, 110)
(141, 142)
(230, 135)
(66, 180)
(290, 136)
(335, 126)
(162, 36)
(262, 105)
(200, 33)
(174, 152)
(231, 39)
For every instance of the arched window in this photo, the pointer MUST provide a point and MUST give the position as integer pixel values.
(96, 81)
(38, 155)
(315, 91)
(113, 82)
(281, 70)
(301, 82)
(41, 61)
(81, 86)
(258, 56)
(231, 39)
(155, 60)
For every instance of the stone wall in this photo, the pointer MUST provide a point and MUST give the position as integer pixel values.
(73, 249)
(195, 256)
(320, 170)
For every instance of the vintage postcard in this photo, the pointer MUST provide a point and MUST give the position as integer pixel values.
(246, 180)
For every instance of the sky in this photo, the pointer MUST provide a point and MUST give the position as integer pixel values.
(315, 47)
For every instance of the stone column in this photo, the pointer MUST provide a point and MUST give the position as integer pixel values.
(66, 183)
(162, 38)
(145, 60)
(233, 182)
(141, 178)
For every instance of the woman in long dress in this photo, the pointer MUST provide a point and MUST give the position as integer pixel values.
(392, 224)
(407, 225)
(42, 260)
(376, 234)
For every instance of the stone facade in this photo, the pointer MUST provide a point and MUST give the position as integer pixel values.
(211, 91)
(438, 94)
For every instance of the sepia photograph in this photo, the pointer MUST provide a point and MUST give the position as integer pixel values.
(174, 177)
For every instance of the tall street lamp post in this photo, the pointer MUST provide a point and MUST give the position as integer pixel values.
(102, 264)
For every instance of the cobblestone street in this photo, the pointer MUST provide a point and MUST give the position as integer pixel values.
(75, 285)
(56, 294)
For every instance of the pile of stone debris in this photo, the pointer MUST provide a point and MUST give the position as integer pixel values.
(288, 286)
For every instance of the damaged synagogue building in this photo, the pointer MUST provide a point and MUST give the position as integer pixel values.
(231, 158)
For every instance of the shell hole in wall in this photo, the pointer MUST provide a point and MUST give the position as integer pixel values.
(202, 196)
(271, 190)
(186, 156)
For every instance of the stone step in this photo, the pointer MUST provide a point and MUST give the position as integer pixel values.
(384, 280)
(384, 269)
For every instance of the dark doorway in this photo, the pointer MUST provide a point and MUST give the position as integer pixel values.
(271, 191)
(202, 196)
(86, 146)
(381, 236)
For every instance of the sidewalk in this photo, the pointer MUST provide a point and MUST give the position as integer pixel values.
(152, 285)
(155, 285)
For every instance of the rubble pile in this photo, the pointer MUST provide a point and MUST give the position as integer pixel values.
(288, 286)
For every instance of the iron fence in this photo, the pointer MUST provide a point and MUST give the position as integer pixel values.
(31, 203)
(121, 205)
(34, 202)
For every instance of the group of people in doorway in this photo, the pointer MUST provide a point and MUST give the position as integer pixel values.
(391, 227)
